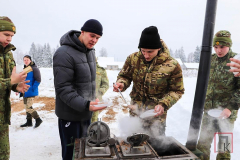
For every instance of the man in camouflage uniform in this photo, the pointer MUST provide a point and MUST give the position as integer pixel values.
(157, 80)
(102, 85)
(223, 93)
(9, 80)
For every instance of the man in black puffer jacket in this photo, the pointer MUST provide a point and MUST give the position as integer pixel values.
(74, 68)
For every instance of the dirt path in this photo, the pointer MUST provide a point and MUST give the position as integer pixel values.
(50, 106)
(48, 101)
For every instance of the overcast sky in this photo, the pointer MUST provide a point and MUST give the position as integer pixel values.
(180, 22)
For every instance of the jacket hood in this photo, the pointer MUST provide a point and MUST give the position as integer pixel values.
(71, 39)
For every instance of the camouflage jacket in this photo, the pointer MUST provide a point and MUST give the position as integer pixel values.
(102, 83)
(6, 65)
(160, 82)
(223, 88)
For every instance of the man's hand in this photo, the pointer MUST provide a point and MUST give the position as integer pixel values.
(159, 109)
(93, 108)
(236, 64)
(118, 85)
(225, 113)
(94, 102)
(23, 87)
(17, 77)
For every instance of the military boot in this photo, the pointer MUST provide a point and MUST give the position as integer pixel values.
(38, 122)
(29, 121)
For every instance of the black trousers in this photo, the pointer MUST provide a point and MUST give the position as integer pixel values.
(68, 132)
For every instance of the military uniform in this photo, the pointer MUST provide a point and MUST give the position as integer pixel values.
(157, 83)
(102, 85)
(6, 66)
(223, 91)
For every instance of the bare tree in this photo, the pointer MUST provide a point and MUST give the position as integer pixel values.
(18, 56)
(190, 57)
(103, 52)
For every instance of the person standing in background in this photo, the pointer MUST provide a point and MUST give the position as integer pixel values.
(28, 97)
(9, 80)
(102, 85)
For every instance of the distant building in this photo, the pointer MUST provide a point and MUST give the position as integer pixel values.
(191, 66)
(180, 63)
(109, 63)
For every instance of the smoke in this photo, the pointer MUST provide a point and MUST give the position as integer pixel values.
(221, 128)
(128, 126)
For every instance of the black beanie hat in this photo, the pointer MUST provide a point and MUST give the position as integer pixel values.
(27, 56)
(94, 26)
(150, 39)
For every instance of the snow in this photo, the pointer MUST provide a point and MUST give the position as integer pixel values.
(191, 65)
(44, 142)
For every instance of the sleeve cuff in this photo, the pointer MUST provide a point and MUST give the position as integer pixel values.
(14, 87)
(88, 105)
(164, 106)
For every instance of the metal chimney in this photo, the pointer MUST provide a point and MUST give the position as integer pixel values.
(203, 75)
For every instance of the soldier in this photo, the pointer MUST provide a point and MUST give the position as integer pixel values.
(9, 80)
(102, 85)
(223, 93)
(157, 80)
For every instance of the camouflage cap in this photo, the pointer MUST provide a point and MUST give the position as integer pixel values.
(6, 24)
(222, 37)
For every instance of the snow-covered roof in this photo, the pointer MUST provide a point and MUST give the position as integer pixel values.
(108, 61)
(191, 65)
(179, 61)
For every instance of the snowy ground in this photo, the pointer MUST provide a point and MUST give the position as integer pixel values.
(44, 143)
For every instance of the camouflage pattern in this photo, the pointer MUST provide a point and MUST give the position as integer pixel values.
(6, 66)
(4, 142)
(6, 24)
(102, 85)
(158, 83)
(223, 88)
(222, 37)
(223, 91)
(28, 102)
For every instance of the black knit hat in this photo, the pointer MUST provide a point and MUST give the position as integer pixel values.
(27, 56)
(150, 39)
(94, 26)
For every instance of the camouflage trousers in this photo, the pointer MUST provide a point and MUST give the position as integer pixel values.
(28, 102)
(210, 126)
(4, 142)
(94, 116)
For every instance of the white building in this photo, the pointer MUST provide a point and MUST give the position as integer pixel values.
(191, 66)
(109, 63)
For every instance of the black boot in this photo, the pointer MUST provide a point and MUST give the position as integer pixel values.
(29, 121)
(38, 122)
(27, 124)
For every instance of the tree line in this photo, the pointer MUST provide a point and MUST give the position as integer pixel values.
(42, 55)
(193, 57)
